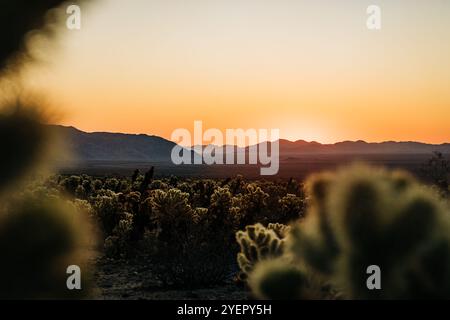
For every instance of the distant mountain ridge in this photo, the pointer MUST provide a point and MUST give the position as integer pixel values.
(362, 147)
(141, 147)
(115, 146)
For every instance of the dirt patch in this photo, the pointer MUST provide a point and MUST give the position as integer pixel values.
(121, 279)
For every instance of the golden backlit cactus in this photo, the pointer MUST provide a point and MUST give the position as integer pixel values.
(258, 243)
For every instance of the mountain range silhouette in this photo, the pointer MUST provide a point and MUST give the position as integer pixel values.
(141, 147)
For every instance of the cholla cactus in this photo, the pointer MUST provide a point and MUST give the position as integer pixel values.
(172, 213)
(109, 211)
(189, 244)
(71, 184)
(221, 198)
(185, 187)
(158, 185)
(170, 204)
(363, 216)
(291, 207)
(97, 184)
(112, 184)
(118, 244)
(221, 215)
(237, 184)
(204, 189)
(253, 203)
(281, 230)
(259, 243)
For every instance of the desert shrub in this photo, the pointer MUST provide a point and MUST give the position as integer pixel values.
(363, 216)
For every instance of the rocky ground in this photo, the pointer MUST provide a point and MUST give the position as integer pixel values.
(120, 279)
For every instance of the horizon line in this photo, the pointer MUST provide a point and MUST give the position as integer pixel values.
(280, 139)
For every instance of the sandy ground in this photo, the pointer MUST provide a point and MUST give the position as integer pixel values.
(119, 279)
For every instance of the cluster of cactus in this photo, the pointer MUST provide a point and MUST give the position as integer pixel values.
(291, 207)
(112, 198)
(363, 216)
(204, 189)
(185, 228)
(293, 187)
(221, 209)
(253, 204)
(171, 213)
(258, 243)
(182, 241)
(109, 211)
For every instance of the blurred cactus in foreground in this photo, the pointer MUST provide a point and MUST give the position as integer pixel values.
(278, 279)
(24, 142)
(39, 236)
(362, 216)
(20, 19)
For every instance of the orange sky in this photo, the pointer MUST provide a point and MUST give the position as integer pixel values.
(310, 68)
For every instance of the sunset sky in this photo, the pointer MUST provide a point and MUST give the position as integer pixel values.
(310, 68)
